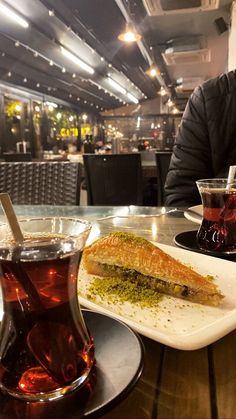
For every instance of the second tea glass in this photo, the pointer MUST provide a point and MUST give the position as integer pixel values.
(217, 231)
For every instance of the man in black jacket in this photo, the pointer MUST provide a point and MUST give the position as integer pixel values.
(205, 146)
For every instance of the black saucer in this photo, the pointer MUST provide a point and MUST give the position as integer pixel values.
(187, 240)
(119, 364)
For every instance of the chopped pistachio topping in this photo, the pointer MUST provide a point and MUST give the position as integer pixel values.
(117, 289)
(210, 278)
(129, 237)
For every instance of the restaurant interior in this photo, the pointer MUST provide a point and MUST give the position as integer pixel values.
(92, 94)
(70, 84)
(65, 75)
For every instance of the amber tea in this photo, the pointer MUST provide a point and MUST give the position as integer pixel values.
(218, 228)
(45, 347)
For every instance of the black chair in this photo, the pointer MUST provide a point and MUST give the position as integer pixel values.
(41, 183)
(17, 156)
(113, 179)
(162, 165)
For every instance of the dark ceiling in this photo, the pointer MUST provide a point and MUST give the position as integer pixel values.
(32, 57)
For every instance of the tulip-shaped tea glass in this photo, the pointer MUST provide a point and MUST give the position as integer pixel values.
(46, 350)
(217, 231)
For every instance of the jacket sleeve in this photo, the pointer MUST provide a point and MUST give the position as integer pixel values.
(191, 157)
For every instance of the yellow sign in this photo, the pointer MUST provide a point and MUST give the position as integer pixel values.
(85, 130)
(69, 132)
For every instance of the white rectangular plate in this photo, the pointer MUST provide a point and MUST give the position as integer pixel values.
(175, 322)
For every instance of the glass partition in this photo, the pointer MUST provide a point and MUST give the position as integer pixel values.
(142, 133)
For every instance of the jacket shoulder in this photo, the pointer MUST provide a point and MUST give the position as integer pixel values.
(219, 86)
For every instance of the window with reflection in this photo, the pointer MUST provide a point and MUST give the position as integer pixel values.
(13, 116)
(63, 127)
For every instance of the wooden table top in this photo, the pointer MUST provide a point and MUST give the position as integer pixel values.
(175, 384)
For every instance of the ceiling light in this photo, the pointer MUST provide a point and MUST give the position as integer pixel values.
(116, 86)
(77, 61)
(13, 16)
(51, 104)
(170, 103)
(162, 91)
(130, 34)
(153, 71)
(132, 98)
(175, 110)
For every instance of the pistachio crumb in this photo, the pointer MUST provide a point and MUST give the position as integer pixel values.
(117, 289)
